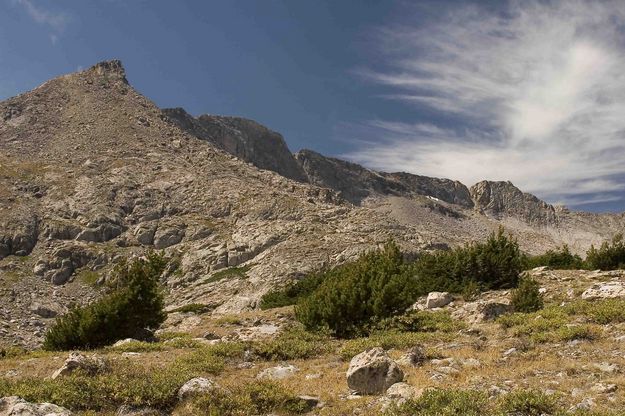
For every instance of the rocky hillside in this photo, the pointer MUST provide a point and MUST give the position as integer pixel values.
(91, 171)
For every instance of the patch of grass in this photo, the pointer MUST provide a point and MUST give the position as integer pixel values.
(389, 340)
(607, 311)
(126, 383)
(261, 397)
(12, 352)
(167, 335)
(229, 273)
(292, 292)
(551, 324)
(421, 321)
(228, 320)
(88, 277)
(295, 343)
(196, 308)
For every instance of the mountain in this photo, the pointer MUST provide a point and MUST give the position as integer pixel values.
(243, 138)
(91, 171)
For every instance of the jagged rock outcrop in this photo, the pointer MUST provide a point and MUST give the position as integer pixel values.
(243, 138)
(500, 199)
(355, 182)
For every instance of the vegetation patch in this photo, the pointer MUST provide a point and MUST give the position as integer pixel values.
(527, 297)
(389, 340)
(421, 321)
(292, 292)
(133, 303)
(258, 398)
(558, 259)
(294, 343)
(229, 273)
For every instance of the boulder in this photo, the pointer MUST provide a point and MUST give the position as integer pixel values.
(279, 372)
(46, 310)
(15, 406)
(145, 233)
(608, 290)
(168, 237)
(76, 361)
(415, 357)
(438, 300)
(401, 391)
(373, 372)
(195, 386)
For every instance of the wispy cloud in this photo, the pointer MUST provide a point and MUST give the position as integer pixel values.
(57, 21)
(544, 82)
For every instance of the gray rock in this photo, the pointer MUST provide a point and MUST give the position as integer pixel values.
(279, 372)
(77, 361)
(415, 357)
(195, 386)
(168, 237)
(15, 406)
(438, 300)
(373, 372)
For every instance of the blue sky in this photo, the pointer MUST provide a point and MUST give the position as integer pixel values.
(530, 91)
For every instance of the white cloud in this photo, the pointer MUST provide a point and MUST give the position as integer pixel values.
(543, 81)
(57, 21)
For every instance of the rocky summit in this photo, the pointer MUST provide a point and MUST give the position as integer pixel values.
(94, 175)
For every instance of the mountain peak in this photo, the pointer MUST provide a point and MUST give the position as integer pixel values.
(112, 68)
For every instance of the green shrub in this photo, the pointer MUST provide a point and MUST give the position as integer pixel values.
(133, 303)
(558, 259)
(528, 403)
(292, 292)
(390, 340)
(349, 297)
(606, 311)
(229, 273)
(493, 264)
(294, 343)
(610, 256)
(260, 397)
(444, 403)
(527, 297)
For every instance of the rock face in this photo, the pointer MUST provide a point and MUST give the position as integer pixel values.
(500, 199)
(355, 182)
(373, 372)
(243, 138)
(607, 290)
(14, 406)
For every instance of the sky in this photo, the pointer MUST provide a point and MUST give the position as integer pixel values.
(527, 91)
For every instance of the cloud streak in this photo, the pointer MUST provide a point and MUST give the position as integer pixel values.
(57, 21)
(536, 92)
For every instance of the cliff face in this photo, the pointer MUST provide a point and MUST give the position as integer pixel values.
(500, 199)
(245, 139)
(355, 182)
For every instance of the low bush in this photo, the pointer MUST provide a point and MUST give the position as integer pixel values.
(606, 311)
(444, 403)
(558, 259)
(493, 264)
(528, 403)
(390, 340)
(260, 397)
(609, 256)
(134, 303)
(375, 286)
(527, 297)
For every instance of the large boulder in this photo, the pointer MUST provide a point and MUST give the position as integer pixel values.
(76, 361)
(15, 406)
(373, 372)
(438, 300)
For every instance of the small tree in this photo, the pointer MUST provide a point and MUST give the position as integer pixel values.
(377, 285)
(609, 256)
(527, 297)
(133, 303)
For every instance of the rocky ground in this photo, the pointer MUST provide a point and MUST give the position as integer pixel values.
(571, 351)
